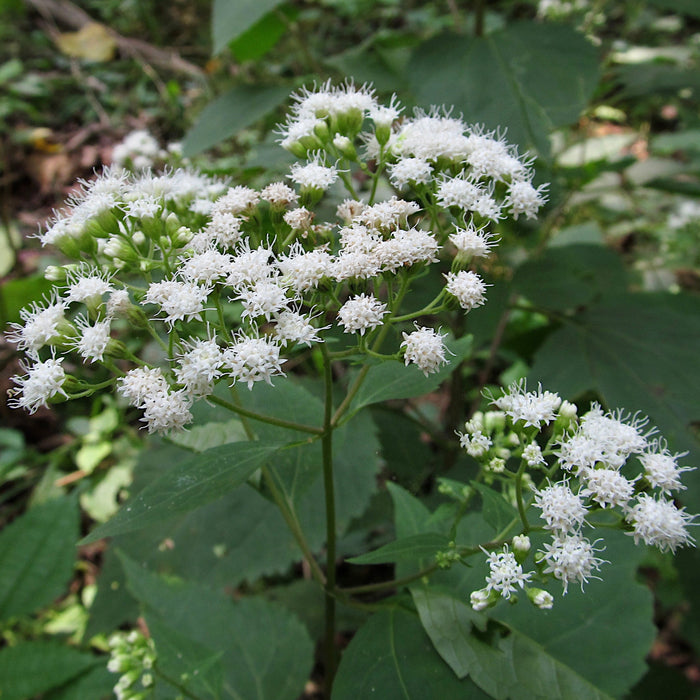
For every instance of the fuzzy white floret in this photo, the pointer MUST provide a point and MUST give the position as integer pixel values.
(467, 287)
(658, 522)
(425, 348)
(361, 313)
(43, 381)
(572, 558)
(505, 574)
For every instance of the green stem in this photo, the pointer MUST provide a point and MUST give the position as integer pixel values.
(519, 495)
(329, 491)
(293, 525)
(291, 425)
(387, 585)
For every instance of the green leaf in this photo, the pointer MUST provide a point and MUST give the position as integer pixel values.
(410, 515)
(392, 657)
(636, 352)
(236, 109)
(200, 438)
(190, 664)
(298, 470)
(197, 481)
(393, 380)
(412, 548)
(257, 40)
(683, 7)
(37, 553)
(529, 78)
(266, 651)
(231, 18)
(36, 667)
(599, 637)
(570, 276)
(448, 622)
(497, 512)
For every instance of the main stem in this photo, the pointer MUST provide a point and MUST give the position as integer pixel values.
(329, 489)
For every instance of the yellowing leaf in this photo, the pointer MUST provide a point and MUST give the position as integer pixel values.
(93, 42)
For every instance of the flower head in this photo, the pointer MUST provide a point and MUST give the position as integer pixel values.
(571, 558)
(425, 348)
(505, 574)
(658, 522)
(361, 313)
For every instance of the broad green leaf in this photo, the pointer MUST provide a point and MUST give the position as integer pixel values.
(392, 657)
(528, 78)
(658, 79)
(19, 293)
(601, 636)
(393, 380)
(37, 553)
(370, 63)
(570, 276)
(188, 663)
(636, 351)
(231, 18)
(448, 622)
(31, 668)
(236, 109)
(497, 512)
(266, 651)
(199, 480)
(412, 548)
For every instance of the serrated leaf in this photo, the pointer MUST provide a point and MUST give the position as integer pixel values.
(392, 657)
(231, 18)
(31, 668)
(267, 653)
(528, 78)
(448, 622)
(37, 553)
(236, 109)
(197, 481)
(393, 380)
(191, 665)
(636, 351)
(570, 276)
(412, 548)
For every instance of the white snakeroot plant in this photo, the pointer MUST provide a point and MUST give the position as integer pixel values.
(225, 287)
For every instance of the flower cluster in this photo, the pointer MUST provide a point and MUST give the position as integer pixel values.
(132, 655)
(606, 462)
(231, 279)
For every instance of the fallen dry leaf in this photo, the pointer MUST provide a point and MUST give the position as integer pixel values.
(93, 42)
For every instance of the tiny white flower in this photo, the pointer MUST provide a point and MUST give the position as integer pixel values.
(42, 382)
(425, 348)
(199, 366)
(477, 444)
(40, 326)
(606, 486)
(467, 287)
(177, 300)
(661, 468)
(562, 509)
(572, 558)
(314, 175)
(93, 339)
(532, 454)
(361, 313)
(292, 327)
(658, 522)
(532, 407)
(505, 573)
(252, 360)
(410, 171)
(263, 298)
(472, 241)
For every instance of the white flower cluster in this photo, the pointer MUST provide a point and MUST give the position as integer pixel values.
(199, 244)
(610, 461)
(140, 150)
(132, 655)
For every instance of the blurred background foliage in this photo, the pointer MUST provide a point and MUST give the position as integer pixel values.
(597, 299)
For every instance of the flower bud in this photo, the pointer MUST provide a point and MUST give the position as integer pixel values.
(345, 147)
(482, 599)
(521, 547)
(494, 421)
(540, 598)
